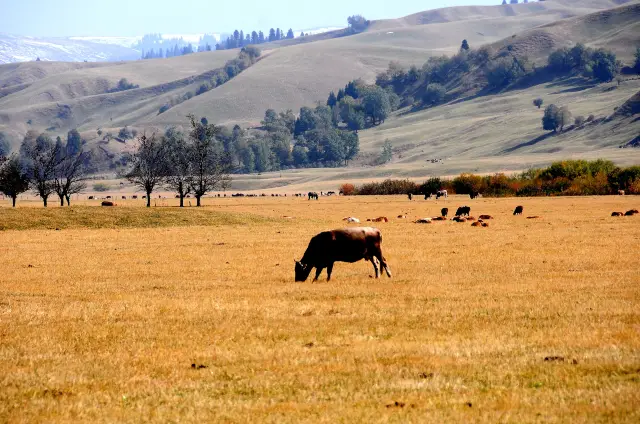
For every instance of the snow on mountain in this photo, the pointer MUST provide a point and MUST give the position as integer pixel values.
(14, 48)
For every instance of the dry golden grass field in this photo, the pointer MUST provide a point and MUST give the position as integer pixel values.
(102, 320)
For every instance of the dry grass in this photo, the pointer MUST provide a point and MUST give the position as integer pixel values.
(104, 324)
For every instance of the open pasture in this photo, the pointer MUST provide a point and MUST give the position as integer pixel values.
(105, 319)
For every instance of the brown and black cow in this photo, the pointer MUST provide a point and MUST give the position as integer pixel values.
(345, 245)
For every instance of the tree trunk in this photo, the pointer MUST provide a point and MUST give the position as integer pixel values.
(181, 200)
(13, 198)
(198, 201)
(61, 201)
(148, 199)
(68, 200)
(44, 200)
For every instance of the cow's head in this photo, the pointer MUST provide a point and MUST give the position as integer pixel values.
(302, 272)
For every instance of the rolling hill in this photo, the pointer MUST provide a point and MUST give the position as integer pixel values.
(474, 135)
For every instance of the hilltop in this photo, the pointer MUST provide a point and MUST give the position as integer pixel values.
(61, 96)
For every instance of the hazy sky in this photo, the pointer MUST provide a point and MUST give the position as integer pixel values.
(137, 17)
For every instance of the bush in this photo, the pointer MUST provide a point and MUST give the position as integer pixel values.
(165, 107)
(101, 187)
(579, 121)
(434, 94)
(347, 189)
(538, 102)
(387, 187)
(591, 118)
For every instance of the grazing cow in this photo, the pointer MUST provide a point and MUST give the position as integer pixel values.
(423, 221)
(91, 197)
(134, 197)
(124, 197)
(631, 212)
(444, 212)
(106, 203)
(474, 194)
(617, 213)
(485, 217)
(410, 196)
(463, 210)
(351, 220)
(621, 192)
(518, 210)
(313, 195)
(347, 245)
(427, 196)
(331, 193)
(108, 197)
(442, 193)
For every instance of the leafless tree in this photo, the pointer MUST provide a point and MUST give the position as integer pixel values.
(211, 165)
(149, 164)
(180, 178)
(41, 158)
(71, 175)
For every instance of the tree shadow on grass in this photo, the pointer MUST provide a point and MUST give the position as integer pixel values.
(530, 142)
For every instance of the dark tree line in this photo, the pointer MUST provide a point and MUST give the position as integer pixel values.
(46, 167)
(239, 39)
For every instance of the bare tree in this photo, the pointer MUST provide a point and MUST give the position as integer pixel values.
(41, 158)
(149, 164)
(71, 175)
(180, 178)
(211, 165)
(13, 180)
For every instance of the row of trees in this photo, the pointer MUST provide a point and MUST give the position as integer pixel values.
(175, 51)
(247, 57)
(46, 167)
(193, 163)
(573, 177)
(239, 39)
(442, 78)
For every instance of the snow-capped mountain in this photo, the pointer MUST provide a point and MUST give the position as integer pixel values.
(14, 48)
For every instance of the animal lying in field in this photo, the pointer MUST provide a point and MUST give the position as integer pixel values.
(380, 219)
(631, 212)
(108, 203)
(518, 210)
(459, 219)
(402, 216)
(485, 217)
(345, 245)
(617, 213)
(533, 217)
(423, 221)
(351, 219)
(439, 218)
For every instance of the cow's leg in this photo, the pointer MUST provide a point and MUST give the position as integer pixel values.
(383, 263)
(374, 261)
(318, 271)
(329, 270)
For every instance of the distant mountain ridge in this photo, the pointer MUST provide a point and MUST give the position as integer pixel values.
(15, 48)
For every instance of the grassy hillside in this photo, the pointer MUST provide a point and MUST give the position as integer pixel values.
(477, 135)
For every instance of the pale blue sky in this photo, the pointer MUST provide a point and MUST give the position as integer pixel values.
(137, 17)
